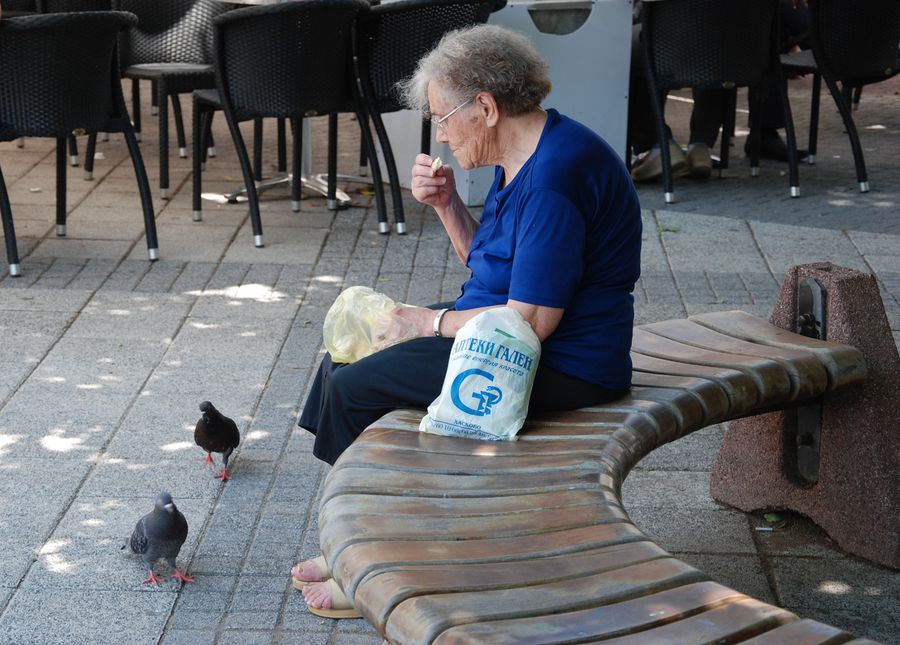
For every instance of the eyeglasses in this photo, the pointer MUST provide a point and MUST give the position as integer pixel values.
(440, 122)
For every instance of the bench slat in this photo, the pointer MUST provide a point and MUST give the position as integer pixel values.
(383, 527)
(771, 379)
(406, 461)
(801, 632)
(740, 389)
(844, 364)
(577, 626)
(436, 613)
(359, 559)
(730, 623)
(710, 394)
(463, 507)
(808, 375)
(386, 589)
(409, 438)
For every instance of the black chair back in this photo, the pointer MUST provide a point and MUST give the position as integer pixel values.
(855, 41)
(170, 31)
(726, 43)
(46, 91)
(399, 33)
(285, 60)
(62, 6)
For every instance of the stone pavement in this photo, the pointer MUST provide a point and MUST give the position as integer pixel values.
(106, 357)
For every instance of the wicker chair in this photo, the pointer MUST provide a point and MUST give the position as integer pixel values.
(715, 44)
(59, 74)
(393, 37)
(171, 47)
(305, 49)
(854, 43)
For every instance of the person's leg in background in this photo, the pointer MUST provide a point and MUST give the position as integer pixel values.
(794, 34)
(642, 132)
(706, 121)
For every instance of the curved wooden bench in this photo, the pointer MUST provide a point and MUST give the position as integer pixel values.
(440, 539)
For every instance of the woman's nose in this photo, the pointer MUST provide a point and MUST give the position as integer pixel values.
(440, 136)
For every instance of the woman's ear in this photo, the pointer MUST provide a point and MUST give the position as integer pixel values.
(487, 104)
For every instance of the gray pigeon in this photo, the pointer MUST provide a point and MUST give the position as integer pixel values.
(160, 534)
(215, 432)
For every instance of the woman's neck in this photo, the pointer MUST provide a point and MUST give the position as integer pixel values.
(517, 139)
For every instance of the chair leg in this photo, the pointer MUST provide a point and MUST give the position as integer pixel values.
(363, 160)
(296, 161)
(814, 118)
(143, 182)
(728, 117)
(207, 144)
(136, 107)
(249, 182)
(366, 140)
(756, 130)
(163, 105)
(332, 162)
(257, 148)
(281, 144)
(425, 137)
(197, 137)
(844, 109)
(790, 134)
(73, 150)
(61, 186)
(154, 101)
(179, 126)
(857, 95)
(9, 231)
(393, 177)
(89, 156)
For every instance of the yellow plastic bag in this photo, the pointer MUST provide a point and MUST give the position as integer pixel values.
(361, 322)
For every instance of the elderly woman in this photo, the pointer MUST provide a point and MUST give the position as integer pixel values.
(558, 240)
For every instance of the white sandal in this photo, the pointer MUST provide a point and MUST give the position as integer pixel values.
(341, 607)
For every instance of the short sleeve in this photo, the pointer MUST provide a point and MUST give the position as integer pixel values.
(549, 259)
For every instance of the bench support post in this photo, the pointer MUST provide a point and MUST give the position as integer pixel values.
(853, 489)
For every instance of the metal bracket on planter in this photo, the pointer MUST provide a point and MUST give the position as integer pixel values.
(811, 322)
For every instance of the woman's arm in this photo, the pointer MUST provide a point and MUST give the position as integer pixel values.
(543, 320)
(437, 188)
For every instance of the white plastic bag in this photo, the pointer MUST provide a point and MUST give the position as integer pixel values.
(489, 379)
(361, 322)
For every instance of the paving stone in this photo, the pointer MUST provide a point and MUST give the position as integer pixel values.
(848, 593)
(668, 489)
(189, 637)
(59, 616)
(743, 573)
(695, 531)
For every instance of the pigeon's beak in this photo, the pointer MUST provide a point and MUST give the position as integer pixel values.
(170, 507)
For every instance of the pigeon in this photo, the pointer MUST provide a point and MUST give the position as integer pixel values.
(160, 534)
(216, 433)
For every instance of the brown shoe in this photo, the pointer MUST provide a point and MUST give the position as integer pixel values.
(699, 161)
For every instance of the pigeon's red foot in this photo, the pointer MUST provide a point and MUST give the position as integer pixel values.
(180, 576)
(224, 476)
(153, 578)
(208, 459)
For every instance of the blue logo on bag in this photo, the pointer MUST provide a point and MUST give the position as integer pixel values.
(487, 398)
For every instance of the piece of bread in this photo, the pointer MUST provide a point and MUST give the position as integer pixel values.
(437, 164)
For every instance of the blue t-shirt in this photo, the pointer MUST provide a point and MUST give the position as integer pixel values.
(565, 233)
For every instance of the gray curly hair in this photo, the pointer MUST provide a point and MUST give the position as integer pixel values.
(483, 58)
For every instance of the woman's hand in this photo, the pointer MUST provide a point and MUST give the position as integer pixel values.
(436, 188)
(419, 318)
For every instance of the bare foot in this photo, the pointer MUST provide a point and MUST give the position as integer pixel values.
(312, 570)
(326, 599)
(319, 595)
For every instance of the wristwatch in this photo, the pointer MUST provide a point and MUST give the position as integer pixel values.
(437, 322)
